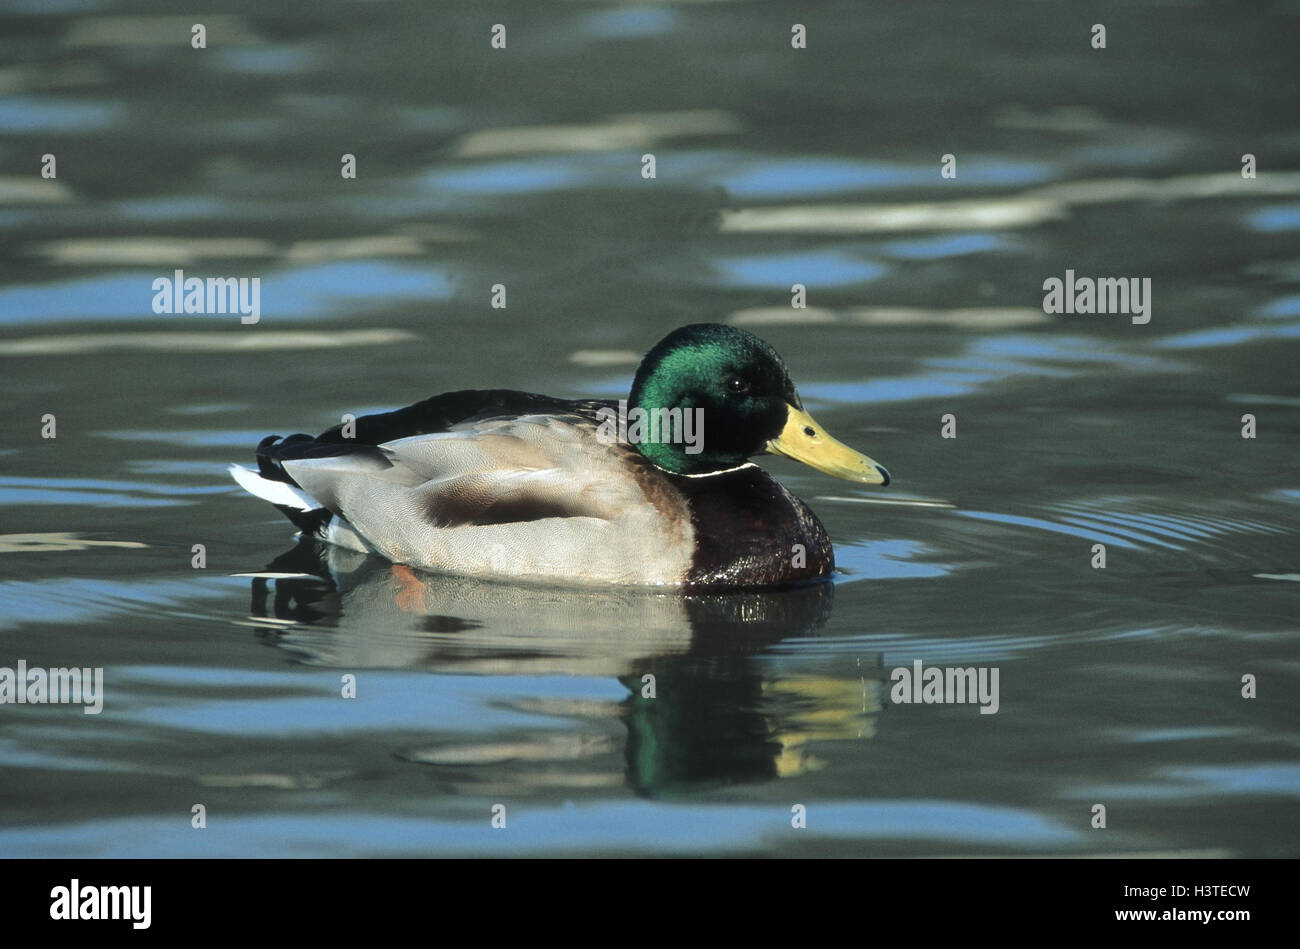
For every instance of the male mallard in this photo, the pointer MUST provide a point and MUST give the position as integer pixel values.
(654, 491)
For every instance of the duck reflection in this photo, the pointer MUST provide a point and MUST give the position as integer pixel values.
(700, 712)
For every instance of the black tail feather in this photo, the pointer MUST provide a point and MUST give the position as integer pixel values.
(311, 523)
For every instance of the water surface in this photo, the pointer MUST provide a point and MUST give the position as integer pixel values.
(1120, 686)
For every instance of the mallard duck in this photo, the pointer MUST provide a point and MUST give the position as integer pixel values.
(654, 490)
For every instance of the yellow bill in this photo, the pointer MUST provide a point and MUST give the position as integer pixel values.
(804, 440)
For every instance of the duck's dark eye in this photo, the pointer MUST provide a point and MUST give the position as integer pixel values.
(736, 385)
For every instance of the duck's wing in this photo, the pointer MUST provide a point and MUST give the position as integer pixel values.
(361, 439)
(494, 471)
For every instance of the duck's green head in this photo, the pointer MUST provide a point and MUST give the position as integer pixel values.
(712, 396)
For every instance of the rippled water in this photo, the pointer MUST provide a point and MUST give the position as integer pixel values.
(1119, 686)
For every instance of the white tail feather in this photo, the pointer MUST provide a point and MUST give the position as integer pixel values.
(277, 492)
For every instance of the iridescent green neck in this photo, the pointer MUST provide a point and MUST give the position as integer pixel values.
(673, 400)
(723, 391)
